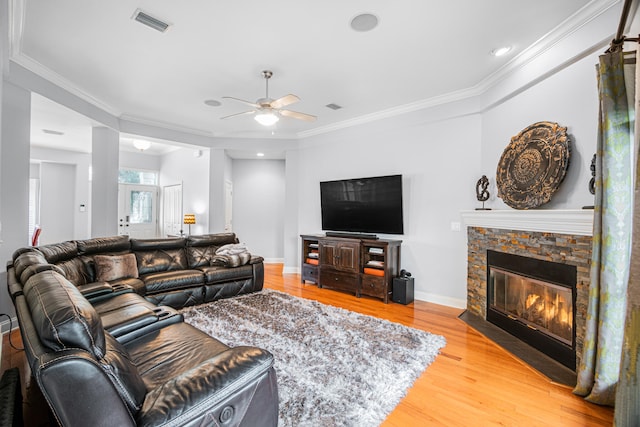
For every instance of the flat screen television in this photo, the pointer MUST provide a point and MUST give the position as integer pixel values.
(363, 205)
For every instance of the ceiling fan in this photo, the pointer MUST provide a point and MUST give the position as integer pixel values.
(267, 110)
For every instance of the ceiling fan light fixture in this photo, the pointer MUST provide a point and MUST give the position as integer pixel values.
(266, 119)
(141, 144)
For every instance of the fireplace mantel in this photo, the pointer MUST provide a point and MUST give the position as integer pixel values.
(562, 221)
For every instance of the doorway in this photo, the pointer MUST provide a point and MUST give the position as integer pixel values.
(137, 210)
(172, 210)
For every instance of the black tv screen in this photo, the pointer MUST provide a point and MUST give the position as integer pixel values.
(363, 205)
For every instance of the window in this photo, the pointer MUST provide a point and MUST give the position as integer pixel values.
(134, 176)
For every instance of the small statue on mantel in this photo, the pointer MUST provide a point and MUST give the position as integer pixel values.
(482, 192)
(592, 181)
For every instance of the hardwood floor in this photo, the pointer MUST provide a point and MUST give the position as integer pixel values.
(473, 382)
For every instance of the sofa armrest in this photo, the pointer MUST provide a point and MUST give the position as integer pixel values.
(256, 259)
(98, 291)
(91, 290)
(232, 387)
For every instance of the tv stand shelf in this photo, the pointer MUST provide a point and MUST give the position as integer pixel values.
(356, 265)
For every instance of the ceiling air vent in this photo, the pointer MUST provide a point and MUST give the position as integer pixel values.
(150, 21)
(333, 106)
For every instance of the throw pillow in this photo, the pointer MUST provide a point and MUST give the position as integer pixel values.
(232, 249)
(113, 267)
(235, 260)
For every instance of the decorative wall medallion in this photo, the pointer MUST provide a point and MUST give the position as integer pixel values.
(533, 165)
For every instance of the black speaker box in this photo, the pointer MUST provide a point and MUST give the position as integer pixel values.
(402, 290)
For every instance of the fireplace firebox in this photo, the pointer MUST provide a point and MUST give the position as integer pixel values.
(534, 300)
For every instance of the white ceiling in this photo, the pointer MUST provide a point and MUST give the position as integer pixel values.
(422, 50)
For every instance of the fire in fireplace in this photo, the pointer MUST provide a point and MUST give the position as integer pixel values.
(533, 300)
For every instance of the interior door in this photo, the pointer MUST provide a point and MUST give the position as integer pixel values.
(228, 206)
(172, 210)
(137, 210)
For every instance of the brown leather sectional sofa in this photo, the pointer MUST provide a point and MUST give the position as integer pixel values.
(107, 346)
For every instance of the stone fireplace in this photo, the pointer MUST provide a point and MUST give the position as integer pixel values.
(528, 273)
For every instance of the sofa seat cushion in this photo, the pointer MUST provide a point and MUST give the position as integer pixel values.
(192, 379)
(216, 273)
(120, 302)
(164, 354)
(171, 280)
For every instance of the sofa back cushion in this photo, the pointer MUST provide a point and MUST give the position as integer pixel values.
(202, 249)
(114, 267)
(58, 252)
(100, 245)
(63, 318)
(156, 255)
(75, 270)
(27, 259)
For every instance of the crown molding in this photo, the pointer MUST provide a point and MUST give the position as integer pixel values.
(562, 221)
(16, 26)
(562, 31)
(163, 125)
(392, 112)
(582, 17)
(56, 79)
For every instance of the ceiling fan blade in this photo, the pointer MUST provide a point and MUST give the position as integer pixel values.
(285, 100)
(238, 114)
(297, 115)
(253, 104)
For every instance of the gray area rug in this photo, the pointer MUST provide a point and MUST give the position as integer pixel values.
(334, 367)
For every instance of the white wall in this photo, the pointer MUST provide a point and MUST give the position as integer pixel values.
(570, 98)
(81, 184)
(259, 206)
(438, 154)
(57, 205)
(181, 166)
(129, 160)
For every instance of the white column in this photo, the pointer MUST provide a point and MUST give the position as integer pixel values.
(104, 185)
(217, 173)
(291, 230)
(14, 169)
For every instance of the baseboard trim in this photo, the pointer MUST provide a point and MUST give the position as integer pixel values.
(441, 300)
(5, 325)
(291, 270)
(274, 260)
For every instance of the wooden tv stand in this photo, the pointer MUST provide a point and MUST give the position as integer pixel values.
(350, 264)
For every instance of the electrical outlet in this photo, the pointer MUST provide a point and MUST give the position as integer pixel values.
(455, 226)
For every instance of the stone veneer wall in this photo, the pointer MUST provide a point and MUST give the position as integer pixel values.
(562, 248)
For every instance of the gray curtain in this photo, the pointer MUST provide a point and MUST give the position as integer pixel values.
(599, 370)
(627, 412)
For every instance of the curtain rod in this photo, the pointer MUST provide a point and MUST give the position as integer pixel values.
(617, 42)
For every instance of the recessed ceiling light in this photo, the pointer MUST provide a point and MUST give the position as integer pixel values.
(212, 103)
(501, 51)
(260, 154)
(364, 22)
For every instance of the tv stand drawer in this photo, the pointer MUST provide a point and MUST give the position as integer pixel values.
(337, 280)
(373, 286)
